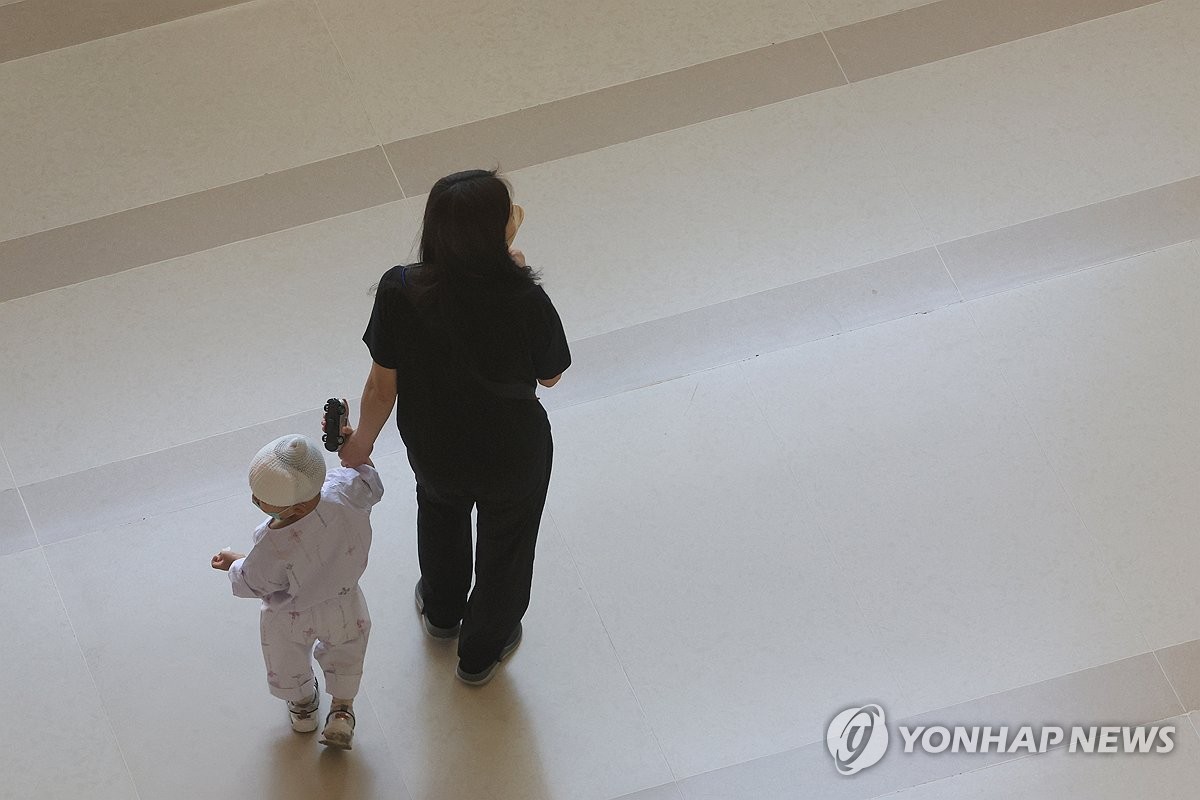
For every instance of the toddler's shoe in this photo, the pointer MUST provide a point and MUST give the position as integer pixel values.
(304, 715)
(339, 729)
(485, 675)
(430, 628)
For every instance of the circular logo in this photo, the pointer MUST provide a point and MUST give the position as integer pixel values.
(857, 738)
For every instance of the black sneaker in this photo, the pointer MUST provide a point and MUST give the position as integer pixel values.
(480, 678)
(430, 628)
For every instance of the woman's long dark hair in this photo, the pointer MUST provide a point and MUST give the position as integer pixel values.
(463, 242)
(466, 278)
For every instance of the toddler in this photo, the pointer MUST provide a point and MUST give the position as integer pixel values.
(305, 565)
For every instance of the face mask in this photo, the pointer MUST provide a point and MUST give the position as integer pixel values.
(277, 517)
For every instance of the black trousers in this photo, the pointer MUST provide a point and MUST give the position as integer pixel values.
(508, 522)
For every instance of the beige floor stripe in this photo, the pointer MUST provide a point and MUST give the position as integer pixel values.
(38, 26)
(949, 28)
(618, 114)
(582, 124)
(1083, 237)
(195, 222)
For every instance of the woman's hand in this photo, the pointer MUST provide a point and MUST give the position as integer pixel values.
(224, 559)
(355, 452)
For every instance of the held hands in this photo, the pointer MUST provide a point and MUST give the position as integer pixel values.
(355, 453)
(224, 559)
(352, 453)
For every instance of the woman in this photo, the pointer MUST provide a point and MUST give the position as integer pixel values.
(457, 342)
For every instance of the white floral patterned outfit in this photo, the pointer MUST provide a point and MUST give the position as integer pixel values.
(307, 576)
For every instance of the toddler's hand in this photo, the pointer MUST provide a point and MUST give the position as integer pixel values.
(224, 559)
(518, 257)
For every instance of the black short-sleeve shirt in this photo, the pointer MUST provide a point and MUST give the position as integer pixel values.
(465, 402)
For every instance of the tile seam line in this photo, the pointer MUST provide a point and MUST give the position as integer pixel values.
(1179, 644)
(127, 32)
(25, 506)
(890, 158)
(558, 529)
(112, 728)
(358, 96)
(1171, 683)
(836, 60)
(8, 465)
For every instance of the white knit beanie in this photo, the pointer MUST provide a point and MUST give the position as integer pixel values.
(288, 471)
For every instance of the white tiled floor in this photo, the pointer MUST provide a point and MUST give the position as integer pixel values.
(51, 696)
(658, 493)
(194, 723)
(715, 211)
(1104, 365)
(927, 480)
(564, 695)
(979, 153)
(179, 377)
(156, 113)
